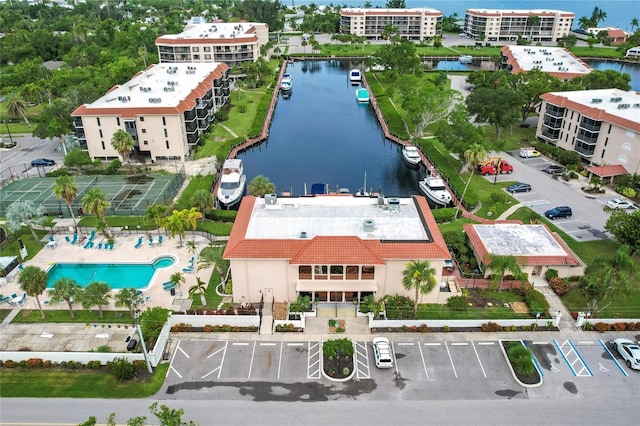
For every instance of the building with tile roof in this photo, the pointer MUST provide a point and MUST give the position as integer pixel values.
(508, 25)
(603, 126)
(332, 248)
(556, 61)
(412, 24)
(535, 247)
(165, 108)
(230, 42)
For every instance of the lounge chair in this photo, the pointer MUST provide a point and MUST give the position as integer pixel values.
(187, 270)
(21, 267)
(159, 239)
(99, 247)
(75, 239)
(139, 243)
(67, 239)
(168, 285)
(92, 236)
(110, 246)
(5, 299)
(88, 244)
(150, 241)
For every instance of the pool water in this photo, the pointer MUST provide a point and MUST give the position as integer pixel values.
(116, 275)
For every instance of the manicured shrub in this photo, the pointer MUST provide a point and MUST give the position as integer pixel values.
(444, 215)
(35, 363)
(207, 328)
(139, 364)
(520, 358)
(346, 371)
(536, 301)
(122, 369)
(559, 286)
(10, 364)
(423, 328)
(457, 303)
(550, 273)
(491, 327)
(93, 365)
(181, 327)
(619, 326)
(602, 327)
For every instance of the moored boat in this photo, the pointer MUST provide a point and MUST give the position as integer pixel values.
(362, 95)
(355, 76)
(465, 59)
(411, 155)
(435, 190)
(232, 183)
(286, 83)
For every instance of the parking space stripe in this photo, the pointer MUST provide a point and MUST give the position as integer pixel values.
(267, 344)
(460, 344)
(405, 344)
(539, 343)
(171, 362)
(183, 352)
(432, 344)
(224, 354)
(295, 344)
(362, 361)
(214, 353)
(280, 360)
(316, 365)
(479, 362)
(240, 343)
(584, 364)
(613, 358)
(253, 354)
(395, 360)
(486, 343)
(451, 360)
(424, 364)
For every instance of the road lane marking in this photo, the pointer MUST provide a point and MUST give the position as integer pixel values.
(240, 343)
(224, 354)
(460, 344)
(405, 344)
(183, 352)
(267, 344)
(295, 344)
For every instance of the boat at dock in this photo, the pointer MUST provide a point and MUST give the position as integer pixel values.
(355, 76)
(362, 96)
(286, 84)
(465, 59)
(232, 183)
(411, 155)
(435, 190)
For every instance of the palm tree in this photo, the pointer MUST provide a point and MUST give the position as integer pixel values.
(192, 247)
(499, 265)
(156, 213)
(203, 201)
(177, 278)
(199, 287)
(65, 188)
(474, 155)
(22, 213)
(418, 275)
(97, 293)
(128, 298)
(532, 21)
(608, 277)
(634, 23)
(95, 202)
(66, 289)
(33, 281)
(212, 257)
(122, 142)
(260, 186)
(16, 107)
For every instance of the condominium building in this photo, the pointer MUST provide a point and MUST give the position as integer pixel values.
(507, 25)
(556, 61)
(412, 24)
(332, 248)
(165, 108)
(603, 126)
(231, 43)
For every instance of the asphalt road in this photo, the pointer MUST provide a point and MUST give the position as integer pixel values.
(17, 161)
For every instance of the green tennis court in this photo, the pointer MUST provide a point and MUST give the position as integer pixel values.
(127, 195)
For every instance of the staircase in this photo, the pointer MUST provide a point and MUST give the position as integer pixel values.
(266, 327)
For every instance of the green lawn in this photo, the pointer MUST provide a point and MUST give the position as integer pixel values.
(81, 316)
(44, 383)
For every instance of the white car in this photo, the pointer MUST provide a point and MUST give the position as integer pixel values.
(617, 203)
(382, 352)
(630, 352)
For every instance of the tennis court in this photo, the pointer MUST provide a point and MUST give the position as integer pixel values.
(127, 195)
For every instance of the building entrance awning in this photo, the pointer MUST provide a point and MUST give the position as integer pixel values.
(336, 285)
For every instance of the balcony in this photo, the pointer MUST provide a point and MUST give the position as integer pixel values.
(586, 150)
(554, 112)
(550, 134)
(552, 123)
(592, 127)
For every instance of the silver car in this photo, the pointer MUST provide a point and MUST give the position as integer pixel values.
(629, 351)
(382, 352)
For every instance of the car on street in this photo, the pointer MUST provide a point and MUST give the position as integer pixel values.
(382, 352)
(519, 187)
(559, 212)
(617, 203)
(629, 351)
(554, 169)
(42, 162)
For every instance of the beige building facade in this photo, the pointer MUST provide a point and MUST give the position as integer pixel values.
(164, 108)
(603, 126)
(507, 25)
(413, 24)
(332, 248)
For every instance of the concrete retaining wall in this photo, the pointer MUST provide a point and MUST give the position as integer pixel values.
(83, 357)
(202, 320)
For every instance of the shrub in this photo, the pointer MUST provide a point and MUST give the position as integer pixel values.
(423, 328)
(444, 215)
(491, 327)
(35, 363)
(523, 288)
(103, 349)
(93, 365)
(630, 326)
(559, 286)
(122, 369)
(47, 364)
(550, 273)
(457, 303)
(346, 371)
(207, 328)
(139, 364)
(446, 328)
(151, 322)
(181, 327)
(602, 327)
(619, 326)
(520, 358)
(536, 301)
(10, 364)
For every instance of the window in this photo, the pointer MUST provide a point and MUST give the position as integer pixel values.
(167, 143)
(143, 130)
(207, 57)
(145, 142)
(207, 48)
(195, 49)
(320, 272)
(100, 132)
(166, 133)
(337, 272)
(304, 272)
(98, 120)
(118, 121)
(102, 144)
(352, 272)
(368, 272)
(164, 121)
(196, 57)
(141, 118)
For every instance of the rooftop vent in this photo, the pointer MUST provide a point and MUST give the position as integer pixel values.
(394, 201)
(596, 100)
(380, 200)
(618, 99)
(368, 225)
(270, 199)
(303, 234)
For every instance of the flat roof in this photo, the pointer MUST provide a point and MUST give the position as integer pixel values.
(613, 102)
(513, 239)
(380, 11)
(337, 215)
(542, 12)
(555, 60)
(160, 85)
(215, 30)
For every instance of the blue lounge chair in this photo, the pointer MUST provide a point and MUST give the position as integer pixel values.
(88, 244)
(150, 241)
(99, 247)
(20, 267)
(159, 239)
(110, 246)
(139, 243)
(187, 270)
(67, 239)
(168, 285)
(5, 299)
(75, 239)
(93, 235)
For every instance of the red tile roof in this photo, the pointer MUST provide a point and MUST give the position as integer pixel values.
(608, 171)
(333, 249)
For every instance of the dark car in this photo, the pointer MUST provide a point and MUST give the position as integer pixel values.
(42, 162)
(558, 212)
(519, 187)
(554, 169)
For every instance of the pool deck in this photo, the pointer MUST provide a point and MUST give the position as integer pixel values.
(123, 251)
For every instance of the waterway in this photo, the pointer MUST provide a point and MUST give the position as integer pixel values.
(320, 134)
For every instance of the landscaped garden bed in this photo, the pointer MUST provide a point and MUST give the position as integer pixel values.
(337, 360)
(521, 362)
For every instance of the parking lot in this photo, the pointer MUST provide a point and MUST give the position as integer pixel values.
(588, 219)
(422, 370)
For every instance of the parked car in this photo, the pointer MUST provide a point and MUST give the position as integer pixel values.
(554, 169)
(42, 162)
(519, 187)
(529, 153)
(629, 351)
(617, 203)
(558, 212)
(382, 352)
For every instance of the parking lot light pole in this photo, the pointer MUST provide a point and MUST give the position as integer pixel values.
(144, 346)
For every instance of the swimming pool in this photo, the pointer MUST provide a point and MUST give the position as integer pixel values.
(116, 275)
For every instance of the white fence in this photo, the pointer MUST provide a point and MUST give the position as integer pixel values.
(83, 357)
(383, 323)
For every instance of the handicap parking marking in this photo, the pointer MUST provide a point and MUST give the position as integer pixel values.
(314, 360)
(218, 369)
(573, 359)
(171, 368)
(363, 370)
(613, 358)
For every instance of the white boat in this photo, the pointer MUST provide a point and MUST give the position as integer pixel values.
(355, 77)
(286, 83)
(411, 155)
(362, 95)
(435, 190)
(465, 59)
(232, 183)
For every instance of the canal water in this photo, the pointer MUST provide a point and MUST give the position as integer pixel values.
(320, 134)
